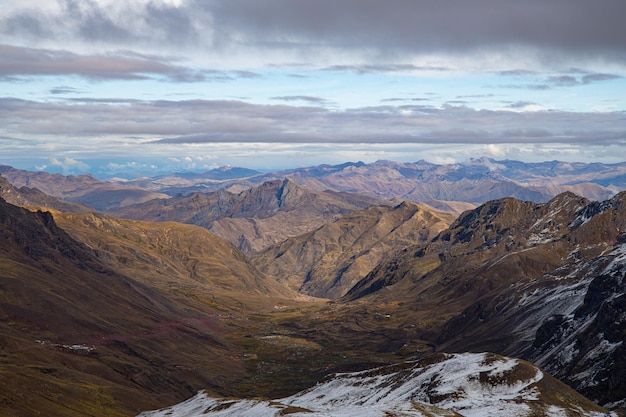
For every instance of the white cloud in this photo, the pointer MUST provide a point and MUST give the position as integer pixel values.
(69, 164)
(495, 150)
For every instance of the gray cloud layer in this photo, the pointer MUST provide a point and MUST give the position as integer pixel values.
(579, 28)
(535, 45)
(20, 62)
(202, 121)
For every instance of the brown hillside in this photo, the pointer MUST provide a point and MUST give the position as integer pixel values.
(179, 258)
(328, 261)
(79, 338)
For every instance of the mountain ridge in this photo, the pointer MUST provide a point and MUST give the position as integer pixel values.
(84, 189)
(474, 181)
(254, 218)
(326, 262)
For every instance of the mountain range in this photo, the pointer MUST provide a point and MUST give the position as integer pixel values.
(475, 181)
(312, 300)
(86, 189)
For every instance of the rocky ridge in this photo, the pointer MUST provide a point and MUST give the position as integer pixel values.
(86, 189)
(255, 218)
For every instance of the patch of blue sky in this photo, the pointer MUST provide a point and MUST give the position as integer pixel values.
(343, 89)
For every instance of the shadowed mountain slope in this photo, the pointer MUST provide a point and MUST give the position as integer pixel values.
(328, 261)
(80, 338)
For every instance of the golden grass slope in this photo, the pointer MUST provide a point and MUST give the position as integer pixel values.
(180, 258)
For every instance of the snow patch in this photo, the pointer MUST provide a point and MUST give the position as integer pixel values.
(472, 384)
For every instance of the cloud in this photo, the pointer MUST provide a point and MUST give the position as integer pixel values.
(556, 29)
(20, 62)
(308, 99)
(69, 164)
(592, 78)
(520, 105)
(552, 32)
(386, 68)
(64, 89)
(571, 79)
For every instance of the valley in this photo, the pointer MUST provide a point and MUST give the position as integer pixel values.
(259, 288)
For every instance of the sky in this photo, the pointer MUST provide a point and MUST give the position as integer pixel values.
(142, 87)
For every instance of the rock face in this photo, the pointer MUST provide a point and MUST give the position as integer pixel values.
(539, 281)
(585, 347)
(484, 385)
(255, 218)
(328, 261)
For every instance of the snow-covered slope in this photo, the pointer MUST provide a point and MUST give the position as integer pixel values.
(582, 341)
(468, 384)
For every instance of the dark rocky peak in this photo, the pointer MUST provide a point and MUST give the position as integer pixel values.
(600, 224)
(552, 220)
(616, 204)
(522, 223)
(266, 199)
(567, 201)
(37, 235)
(486, 225)
(286, 191)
